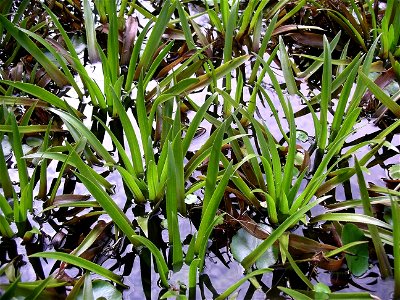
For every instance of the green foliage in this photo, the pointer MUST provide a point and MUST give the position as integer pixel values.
(152, 78)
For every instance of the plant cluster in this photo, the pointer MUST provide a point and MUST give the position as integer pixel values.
(83, 194)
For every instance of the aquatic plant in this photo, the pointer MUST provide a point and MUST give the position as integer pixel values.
(243, 174)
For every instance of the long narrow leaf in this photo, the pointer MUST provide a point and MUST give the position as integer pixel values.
(287, 69)
(325, 95)
(85, 132)
(384, 265)
(172, 212)
(82, 263)
(59, 78)
(381, 95)
(237, 284)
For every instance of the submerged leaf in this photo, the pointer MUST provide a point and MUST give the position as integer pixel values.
(302, 136)
(394, 171)
(190, 199)
(103, 290)
(243, 243)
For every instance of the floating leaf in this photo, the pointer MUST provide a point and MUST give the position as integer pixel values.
(357, 263)
(243, 243)
(394, 171)
(190, 199)
(102, 290)
(302, 136)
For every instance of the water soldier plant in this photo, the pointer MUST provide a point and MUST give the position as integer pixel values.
(235, 132)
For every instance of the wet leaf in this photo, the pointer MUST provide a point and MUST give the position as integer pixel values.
(287, 69)
(243, 243)
(236, 285)
(303, 244)
(80, 262)
(170, 294)
(190, 199)
(130, 33)
(308, 39)
(322, 291)
(102, 290)
(302, 136)
(394, 171)
(34, 141)
(357, 263)
(294, 294)
(66, 198)
(327, 263)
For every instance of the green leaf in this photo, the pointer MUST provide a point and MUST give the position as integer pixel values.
(357, 263)
(155, 36)
(131, 181)
(172, 212)
(192, 282)
(90, 32)
(325, 95)
(131, 137)
(384, 265)
(59, 59)
(287, 69)
(350, 217)
(5, 180)
(87, 287)
(210, 212)
(212, 169)
(302, 136)
(394, 171)
(84, 132)
(236, 285)
(16, 140)
(296, 268)
(396, 247)
(82, 263)
(38, 92)
(218, 73)
(39, 289)
(120, 219)
(102, 290)
(322, 288)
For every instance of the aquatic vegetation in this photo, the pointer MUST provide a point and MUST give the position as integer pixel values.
(185, 142)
